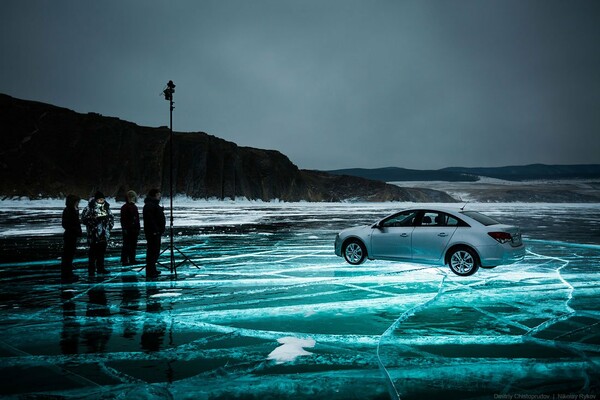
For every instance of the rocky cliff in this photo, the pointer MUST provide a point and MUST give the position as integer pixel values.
(48, 151)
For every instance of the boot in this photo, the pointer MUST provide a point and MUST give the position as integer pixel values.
(69, 278)
(152, 273)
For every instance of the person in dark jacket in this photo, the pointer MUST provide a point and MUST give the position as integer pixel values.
(98, 220)
(130, 223)
(72, 226)
(154, 227)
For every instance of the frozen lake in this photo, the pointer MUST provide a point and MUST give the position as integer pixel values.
(272, 313)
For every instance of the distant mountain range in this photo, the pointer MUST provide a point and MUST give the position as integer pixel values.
(48, 151)
(460, 174)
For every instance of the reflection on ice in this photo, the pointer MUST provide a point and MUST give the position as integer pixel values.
(272, 313)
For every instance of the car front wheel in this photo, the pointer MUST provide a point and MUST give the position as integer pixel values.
(463, 261)
(354, 252)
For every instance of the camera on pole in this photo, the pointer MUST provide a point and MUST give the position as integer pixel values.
(169, 90)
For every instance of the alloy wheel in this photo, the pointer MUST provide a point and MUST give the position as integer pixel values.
(462, 262)
(354, 253)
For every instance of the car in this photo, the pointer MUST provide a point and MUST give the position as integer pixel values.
(464, 240)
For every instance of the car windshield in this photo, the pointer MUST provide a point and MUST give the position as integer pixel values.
(479, 217)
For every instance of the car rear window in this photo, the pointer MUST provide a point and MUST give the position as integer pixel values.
(479, 217)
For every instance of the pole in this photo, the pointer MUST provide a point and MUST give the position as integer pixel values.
(173, 269)
(168, 93)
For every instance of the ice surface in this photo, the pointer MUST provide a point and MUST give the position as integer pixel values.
(269, 282)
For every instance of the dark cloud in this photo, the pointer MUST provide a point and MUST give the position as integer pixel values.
(332, 84)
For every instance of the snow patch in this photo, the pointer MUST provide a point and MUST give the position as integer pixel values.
(290, 349)
(170, 294)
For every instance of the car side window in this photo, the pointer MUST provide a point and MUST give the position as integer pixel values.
(451, 221)
(435, 218)
(429, 218)
(406, 218)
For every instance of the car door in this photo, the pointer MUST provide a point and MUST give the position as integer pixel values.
(431, 235)
(391, 238)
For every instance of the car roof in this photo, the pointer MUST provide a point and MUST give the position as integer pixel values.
(449, 210)
(432, 208)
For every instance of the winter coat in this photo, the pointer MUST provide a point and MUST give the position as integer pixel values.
(130, 218)
(98, 220)
(70, 222)
(154, 218)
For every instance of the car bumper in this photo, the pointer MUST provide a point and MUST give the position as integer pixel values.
(501, 254)
(338, 246)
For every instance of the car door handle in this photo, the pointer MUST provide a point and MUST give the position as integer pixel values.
(442, 234)
(404, 235)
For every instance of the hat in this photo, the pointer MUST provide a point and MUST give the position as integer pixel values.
(71, 200)
(153, 192)
(132, 196)
(98, 195)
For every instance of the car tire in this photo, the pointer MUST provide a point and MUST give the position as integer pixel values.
(463, 261)
(354, 252)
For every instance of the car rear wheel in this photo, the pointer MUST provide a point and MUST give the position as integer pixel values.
(463, 261)
(354, 252)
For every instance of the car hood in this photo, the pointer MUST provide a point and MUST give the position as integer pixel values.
(355, 230)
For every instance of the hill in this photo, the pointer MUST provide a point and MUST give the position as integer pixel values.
(533, 172)
(394, 174)
(49, 151)
(462, 174)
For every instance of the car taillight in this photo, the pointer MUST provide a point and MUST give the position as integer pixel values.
(501, 237)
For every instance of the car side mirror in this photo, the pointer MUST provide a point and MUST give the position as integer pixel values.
(377, 226)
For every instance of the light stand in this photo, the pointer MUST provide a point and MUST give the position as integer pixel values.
(168, 93)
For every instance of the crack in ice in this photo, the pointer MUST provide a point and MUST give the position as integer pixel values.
(390, 383)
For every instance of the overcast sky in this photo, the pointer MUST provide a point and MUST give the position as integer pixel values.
(330, 83)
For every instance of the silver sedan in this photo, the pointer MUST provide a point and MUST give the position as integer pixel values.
(464, 240)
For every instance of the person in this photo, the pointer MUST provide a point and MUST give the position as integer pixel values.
(72, 227)
(130, 222)
(98, 220)
(154, 227)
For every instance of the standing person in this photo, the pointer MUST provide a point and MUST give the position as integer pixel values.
(130, 222)
(72, 226)
(154, 227)
(98, 220)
